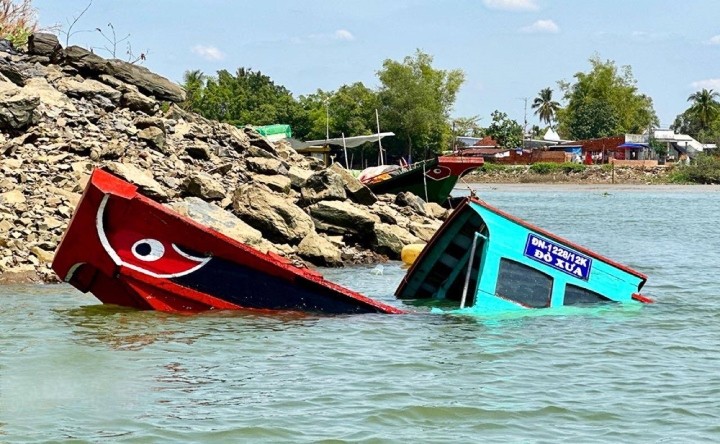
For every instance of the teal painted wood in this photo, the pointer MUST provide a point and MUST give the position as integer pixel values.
(440, 270)
(508, 239)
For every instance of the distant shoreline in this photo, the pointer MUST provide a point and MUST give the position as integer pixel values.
(581, 186)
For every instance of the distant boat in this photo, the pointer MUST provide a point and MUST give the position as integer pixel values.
(432, 180)
(128, 250)
(484, 259)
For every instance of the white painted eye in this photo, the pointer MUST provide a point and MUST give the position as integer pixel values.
(437, 171)
(148, 250)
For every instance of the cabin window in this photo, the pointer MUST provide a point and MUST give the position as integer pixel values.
(575, 295)
(523, 284)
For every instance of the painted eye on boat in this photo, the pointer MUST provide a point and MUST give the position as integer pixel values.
(148, 250)
(437, 171)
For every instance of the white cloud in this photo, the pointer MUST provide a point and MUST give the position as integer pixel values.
(542, 26)
(512, 5)
(207, 52)
(344, 34)
(707, 84)
(714, 40)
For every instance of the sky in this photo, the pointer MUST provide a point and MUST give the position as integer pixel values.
(508, 49)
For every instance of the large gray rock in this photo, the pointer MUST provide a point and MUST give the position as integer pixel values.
(280, 220)
(320, 251)
(390, 239)
(298, 176)
(85, 61)
(264, 165)
(355, 189)
(278, 183)
(42, 43)
(17, 107)
(144, 180)
(203, 185)
(408, 199)
(146, 80)
(137, 101)
(323, 185)
(425, 230)
(49, 96)
(155, 138)
(87, 88)
(225, 222)
(342, 217)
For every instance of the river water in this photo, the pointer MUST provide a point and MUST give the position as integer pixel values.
(73, 370)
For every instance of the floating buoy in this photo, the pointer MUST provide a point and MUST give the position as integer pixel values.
(410, 253)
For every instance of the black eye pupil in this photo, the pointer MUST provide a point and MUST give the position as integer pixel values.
(143, 249)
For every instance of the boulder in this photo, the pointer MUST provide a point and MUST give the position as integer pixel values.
(342, 217)
(323, 185)
(278, 183)
(355, 189)
(203, 185)
(12, 197)
(136, 101)
(435, 210)
(280, 220)
(408, 199)
(390, 239)
(424, 231)
(85, 61)
(298, 176)
(264, 165)
(49, 96)
(146, 80)
(319, 251)
(211, 215)
(87, 88)
(144, 180)
(155, 138)
(389, 215)
(199, 150)
(45, 44)
(17, 107)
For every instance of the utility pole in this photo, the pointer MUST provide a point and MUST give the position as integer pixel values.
(525, 99)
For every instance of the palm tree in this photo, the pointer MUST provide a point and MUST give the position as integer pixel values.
(705, 107)
(545, 107)
(193, 84)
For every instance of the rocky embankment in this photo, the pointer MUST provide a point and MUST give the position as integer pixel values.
(67, 111)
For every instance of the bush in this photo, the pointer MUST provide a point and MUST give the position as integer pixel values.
(490, 167)
(18, 19)
(552, 168)
(705, 169)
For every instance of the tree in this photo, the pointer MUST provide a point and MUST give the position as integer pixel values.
(610, 92)
(416, 101)
(545, 107)
(705, 107)
(246, 98)
(506, 132)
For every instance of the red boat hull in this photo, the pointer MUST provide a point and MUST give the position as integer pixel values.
(129, 250)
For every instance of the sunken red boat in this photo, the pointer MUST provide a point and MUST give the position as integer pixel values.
(129, 250)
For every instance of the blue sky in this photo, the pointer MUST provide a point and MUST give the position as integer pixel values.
(508, 49)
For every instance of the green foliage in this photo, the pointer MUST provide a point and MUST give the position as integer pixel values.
(490, 167)
(553, 168)
(604, 102)
(705, 169)
(416, 100)
(545, 107)
(702, 119)
(507, 132)
(246, 98)
(18, 20)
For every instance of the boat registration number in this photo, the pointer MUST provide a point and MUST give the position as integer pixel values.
(558, 257)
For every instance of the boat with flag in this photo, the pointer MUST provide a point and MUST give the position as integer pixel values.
(485, 260)
(129, 250)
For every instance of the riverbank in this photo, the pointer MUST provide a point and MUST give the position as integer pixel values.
(590, 174)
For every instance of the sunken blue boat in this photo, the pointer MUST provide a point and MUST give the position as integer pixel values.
(485, 259)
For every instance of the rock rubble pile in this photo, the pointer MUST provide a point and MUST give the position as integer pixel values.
(67, 111)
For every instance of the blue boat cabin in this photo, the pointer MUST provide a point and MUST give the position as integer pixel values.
(492, 261)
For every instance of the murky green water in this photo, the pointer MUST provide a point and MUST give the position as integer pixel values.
(72, 370)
